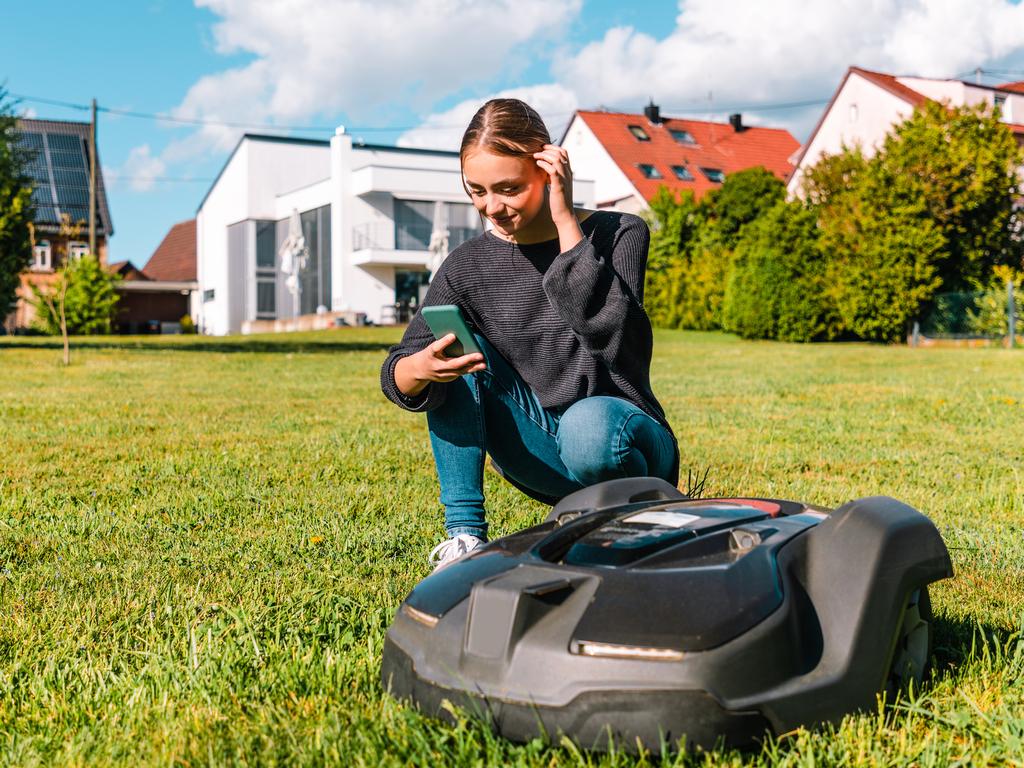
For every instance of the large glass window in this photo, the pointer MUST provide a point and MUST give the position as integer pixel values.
(266, 252)
(316, 277)
(414, 223)
(266, 271)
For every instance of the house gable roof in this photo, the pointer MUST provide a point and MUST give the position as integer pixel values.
(174, 260)
(891, 84)
(717, 146)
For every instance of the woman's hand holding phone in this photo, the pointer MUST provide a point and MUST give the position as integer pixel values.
(415, 371)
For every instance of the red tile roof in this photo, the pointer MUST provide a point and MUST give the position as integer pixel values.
(127, 270)
(175, 257)
(1015, 87)
(718, 146)
(891, 84)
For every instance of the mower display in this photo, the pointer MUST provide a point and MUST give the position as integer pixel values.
(638, 616)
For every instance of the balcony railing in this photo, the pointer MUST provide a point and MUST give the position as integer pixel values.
(388, 236)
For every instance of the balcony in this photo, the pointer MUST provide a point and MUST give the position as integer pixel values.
(384, 244)
(411, 183)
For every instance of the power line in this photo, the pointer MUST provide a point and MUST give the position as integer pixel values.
(115, 177)
(709, 108)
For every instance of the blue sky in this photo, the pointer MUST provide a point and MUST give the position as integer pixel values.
(418, 68)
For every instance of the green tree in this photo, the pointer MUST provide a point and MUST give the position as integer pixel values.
(777, 288)
(957, 167)
(16, 213)
(724, 212)
(89, 299)
(673, 220)
(932, 211)
(743, 197)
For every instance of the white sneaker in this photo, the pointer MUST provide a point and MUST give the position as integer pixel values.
(447, 552)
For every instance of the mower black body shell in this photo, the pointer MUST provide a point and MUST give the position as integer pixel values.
(767, 615)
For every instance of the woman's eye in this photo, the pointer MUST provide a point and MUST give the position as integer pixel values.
(508, 191)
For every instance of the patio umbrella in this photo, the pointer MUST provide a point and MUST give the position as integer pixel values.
(293, 253)
(438, 238)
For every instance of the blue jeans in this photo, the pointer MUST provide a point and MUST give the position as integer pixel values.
(549, 451)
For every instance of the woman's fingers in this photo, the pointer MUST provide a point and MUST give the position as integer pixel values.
(438, 347)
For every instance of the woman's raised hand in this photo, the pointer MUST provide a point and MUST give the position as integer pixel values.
(415, 371)
(554, 161)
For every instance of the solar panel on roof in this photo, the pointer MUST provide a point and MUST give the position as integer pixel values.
(58, 164)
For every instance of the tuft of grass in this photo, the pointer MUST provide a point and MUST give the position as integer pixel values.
(203, 541)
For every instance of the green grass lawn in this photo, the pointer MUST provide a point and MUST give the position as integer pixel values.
(203, 541)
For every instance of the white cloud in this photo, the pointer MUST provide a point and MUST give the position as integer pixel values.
(363, 58)
(443, 130)
(140, 169)
(743, 52)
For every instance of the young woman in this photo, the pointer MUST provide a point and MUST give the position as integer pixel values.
(560, 396)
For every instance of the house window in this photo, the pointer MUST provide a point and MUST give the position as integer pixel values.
(683, 137)
(854, 113)
(208, 295)
(649, 171)
(266, 300)
(682, 173)
(714, 174)
(1003, 105)
(77, 250)
(639, 133)
(266, 274)
(42, 256)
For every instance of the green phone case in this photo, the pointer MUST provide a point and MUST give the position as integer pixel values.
(447, 318)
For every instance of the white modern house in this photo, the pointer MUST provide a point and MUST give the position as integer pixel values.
(367, 214)
(868, 104)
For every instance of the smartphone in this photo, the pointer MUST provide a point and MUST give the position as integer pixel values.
(447, 318)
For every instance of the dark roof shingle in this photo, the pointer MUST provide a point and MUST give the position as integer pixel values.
(175, 257)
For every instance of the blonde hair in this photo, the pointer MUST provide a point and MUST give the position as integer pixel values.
(505, 127)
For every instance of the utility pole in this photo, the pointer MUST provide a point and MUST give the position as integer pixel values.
(977, 76)
(92, 183)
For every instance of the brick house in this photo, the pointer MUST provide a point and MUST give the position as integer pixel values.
(60, 172)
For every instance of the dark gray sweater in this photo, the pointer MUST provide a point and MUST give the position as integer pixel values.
(571, 324)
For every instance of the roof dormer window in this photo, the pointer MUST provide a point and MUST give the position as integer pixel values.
(649, 171)
(716, 175)
(683, 137)
(639, 133)
(682, 173)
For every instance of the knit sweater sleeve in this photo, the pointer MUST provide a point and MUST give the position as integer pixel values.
(597, 288)
(416, 337)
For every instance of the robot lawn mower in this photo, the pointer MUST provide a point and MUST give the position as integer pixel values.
(638, 615)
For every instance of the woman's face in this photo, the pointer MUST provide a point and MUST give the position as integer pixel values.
(509, 191)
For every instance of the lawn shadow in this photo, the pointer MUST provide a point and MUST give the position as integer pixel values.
(254, 346)
(958, 641)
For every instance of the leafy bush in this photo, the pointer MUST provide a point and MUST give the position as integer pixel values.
(777, 288)
(90, 298)
(990, 316)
